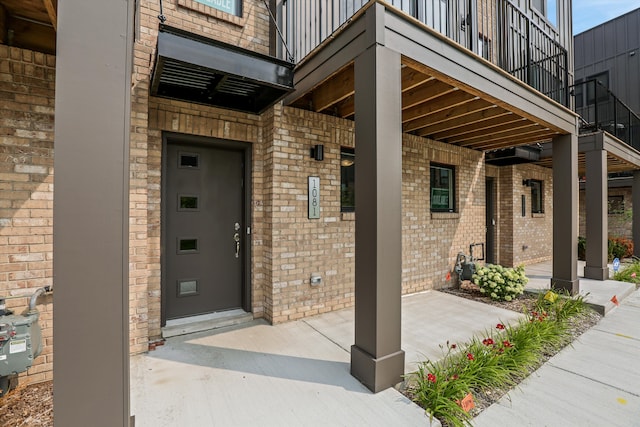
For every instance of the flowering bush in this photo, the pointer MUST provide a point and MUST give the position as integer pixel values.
(497, 359)
(500, 283)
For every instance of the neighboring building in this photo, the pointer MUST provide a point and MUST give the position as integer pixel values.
(242, 182)
(610, 55)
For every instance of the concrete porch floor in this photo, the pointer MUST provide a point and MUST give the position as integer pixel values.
(297, 374)
(293, 374)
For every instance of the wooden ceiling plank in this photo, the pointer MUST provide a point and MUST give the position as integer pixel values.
(469, 107)
(425, 93)
(514, 128)
(441, 103)
(334, 90)
(511, 141)
(412, 78)
(53, 14)
(470, 89)
(462, 121)
(347, 108)
(496, 117)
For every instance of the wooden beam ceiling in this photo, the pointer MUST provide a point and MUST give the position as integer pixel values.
(29, 24)
(436, 107)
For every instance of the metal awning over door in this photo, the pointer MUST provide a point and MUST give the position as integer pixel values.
(196, 69)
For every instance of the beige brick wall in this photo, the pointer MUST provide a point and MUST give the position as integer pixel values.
(27, 84)
(620, 224)
(528, 239)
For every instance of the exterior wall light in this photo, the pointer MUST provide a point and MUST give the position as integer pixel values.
(317, 152)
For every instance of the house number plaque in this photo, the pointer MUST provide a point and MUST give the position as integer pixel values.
(314, 197)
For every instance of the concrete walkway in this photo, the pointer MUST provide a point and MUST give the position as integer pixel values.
(595, 382)
(294, 374)
(297, 374)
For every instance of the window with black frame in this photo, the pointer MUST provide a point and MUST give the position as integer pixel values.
(347, 180)
(537, 196)
(442, 188)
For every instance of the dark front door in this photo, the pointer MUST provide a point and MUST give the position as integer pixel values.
(203, 231)
(490, 221)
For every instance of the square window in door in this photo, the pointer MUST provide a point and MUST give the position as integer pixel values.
(188, 160)
(188, 202)
(187, 245)
(187, 288)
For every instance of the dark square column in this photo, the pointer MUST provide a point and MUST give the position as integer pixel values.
(596, 198)
(635, 196)
(91, 213)
(565, 213)
(376, 358)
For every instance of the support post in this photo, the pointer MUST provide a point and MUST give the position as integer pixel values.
(376, 357)
(596, 229)
(91, 211)
(635, 196)
(565, 213)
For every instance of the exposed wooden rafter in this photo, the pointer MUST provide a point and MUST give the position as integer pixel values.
(50, 5)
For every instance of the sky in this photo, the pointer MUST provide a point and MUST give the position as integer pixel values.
(590, 13)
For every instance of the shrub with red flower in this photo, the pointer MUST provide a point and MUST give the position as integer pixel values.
(431, 378)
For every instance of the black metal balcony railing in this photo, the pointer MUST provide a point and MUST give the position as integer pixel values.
(600, 109)
(493, 29)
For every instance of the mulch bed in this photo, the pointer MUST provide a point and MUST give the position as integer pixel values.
(28, 406)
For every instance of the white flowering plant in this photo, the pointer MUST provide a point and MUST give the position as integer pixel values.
(500, 283)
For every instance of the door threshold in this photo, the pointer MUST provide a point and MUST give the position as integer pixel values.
(205, 322)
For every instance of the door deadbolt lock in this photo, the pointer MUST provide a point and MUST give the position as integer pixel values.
(236, 226)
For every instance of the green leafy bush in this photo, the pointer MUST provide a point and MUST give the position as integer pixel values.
(582, 248)
(500, 283)
(621, 247)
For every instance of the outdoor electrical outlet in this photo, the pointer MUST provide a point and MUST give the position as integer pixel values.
(316, 280)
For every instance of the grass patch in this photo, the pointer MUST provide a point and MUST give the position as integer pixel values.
(497, 360)
(630, 274)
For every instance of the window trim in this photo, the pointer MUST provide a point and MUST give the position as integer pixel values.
(541, 198)
(452, 188)
(347, 151)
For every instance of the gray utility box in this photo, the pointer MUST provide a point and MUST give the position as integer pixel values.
(20, 344)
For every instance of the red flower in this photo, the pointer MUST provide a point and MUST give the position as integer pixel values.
(488, 341)
(454, 377)
(500, 350)
(500, 326)
(432, 378)
(470, 356)
(453, 346)
(506, 343)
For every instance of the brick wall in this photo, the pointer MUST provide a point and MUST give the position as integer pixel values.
(620, 224)
(27, 83)
(524, 239)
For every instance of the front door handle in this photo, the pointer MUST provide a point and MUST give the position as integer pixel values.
(236, 238)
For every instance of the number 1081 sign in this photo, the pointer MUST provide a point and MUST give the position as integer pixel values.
(314, 197)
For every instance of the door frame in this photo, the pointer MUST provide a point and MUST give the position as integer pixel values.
(490, 214)
(210, 142)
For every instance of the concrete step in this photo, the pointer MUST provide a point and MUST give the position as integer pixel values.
(205, 322)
